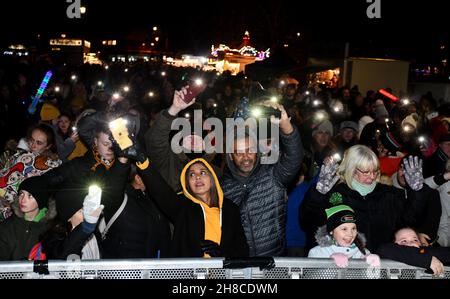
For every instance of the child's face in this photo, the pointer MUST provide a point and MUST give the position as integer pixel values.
(407, 237)
(27, 203)
(345, 234)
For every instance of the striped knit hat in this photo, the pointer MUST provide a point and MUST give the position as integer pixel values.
(390, 142)
(338, 215)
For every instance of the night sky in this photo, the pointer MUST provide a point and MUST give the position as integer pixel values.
(193, 26)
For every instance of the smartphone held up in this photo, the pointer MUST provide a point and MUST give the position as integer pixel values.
(194, 89)
(119, 132)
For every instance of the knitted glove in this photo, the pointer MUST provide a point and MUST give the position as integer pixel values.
(340, 259)
(327, 177)
(373, 260)
(91, 203)
(413, 173)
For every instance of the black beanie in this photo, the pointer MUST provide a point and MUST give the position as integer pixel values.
(36, 186)
(338, 215)
(390, 142)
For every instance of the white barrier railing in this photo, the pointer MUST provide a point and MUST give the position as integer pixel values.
(214, 268)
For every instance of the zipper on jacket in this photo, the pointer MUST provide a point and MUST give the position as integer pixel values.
(250, 222)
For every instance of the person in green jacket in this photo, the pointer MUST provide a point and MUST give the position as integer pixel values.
(19, 233)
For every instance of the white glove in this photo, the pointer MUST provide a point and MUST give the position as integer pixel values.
(91, 203)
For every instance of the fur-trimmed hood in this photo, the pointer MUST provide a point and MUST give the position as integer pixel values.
(395, 181)
(324, 239)
(51, 210)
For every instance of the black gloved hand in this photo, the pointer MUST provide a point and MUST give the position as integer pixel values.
(133, 152)
(211, 248)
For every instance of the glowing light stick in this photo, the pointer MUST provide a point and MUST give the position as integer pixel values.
(389, 95)
(39, 92)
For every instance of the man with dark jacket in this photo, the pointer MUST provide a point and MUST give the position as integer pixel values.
(260, 189)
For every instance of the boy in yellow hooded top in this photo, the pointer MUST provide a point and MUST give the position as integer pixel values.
(205, 223)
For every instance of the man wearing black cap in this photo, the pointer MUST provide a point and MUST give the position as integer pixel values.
(435, 164)
(19, 233)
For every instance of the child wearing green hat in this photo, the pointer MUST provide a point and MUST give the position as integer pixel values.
(339, 239)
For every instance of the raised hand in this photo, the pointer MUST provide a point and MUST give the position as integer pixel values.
(327, 176)
(178, 102)
(284, 122)
(134, 152)
(413, 172)
(91, 205)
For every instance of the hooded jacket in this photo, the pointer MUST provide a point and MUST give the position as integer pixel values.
(327, 246)
(193, 220)
(18, 236)
(262, 197)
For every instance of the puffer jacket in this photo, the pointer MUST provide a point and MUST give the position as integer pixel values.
(262, 197)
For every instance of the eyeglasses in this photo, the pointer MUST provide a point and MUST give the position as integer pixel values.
(369, 173)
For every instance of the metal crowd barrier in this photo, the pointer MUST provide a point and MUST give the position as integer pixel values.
(214, 268)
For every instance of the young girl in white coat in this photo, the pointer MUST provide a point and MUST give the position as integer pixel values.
(339, 239)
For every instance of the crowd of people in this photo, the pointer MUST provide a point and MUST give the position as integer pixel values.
(356, 172)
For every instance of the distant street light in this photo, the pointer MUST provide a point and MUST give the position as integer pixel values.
(155, 28)
(83, 9)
